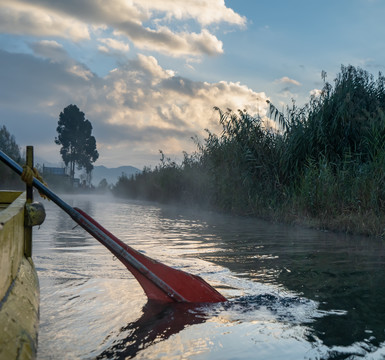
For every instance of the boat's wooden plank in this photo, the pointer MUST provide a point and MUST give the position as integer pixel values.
(11, 242)
(7, 197)
(19, 315)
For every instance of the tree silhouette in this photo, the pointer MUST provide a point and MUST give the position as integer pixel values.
(78, 145)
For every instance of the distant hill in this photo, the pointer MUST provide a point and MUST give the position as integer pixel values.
(99, 173)
(111, 174)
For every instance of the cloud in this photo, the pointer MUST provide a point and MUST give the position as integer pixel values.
(137, 109)
(55, 52)
(155, 25)
(287, 80)
(315, 92)
(24, 18)
(168, 42)
(157, 97)
(114, 45)
(149, 65)
(49, 49)
(206, 12)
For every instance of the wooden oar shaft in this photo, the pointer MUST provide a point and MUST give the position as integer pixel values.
(120, 252)
(191, 287)
(115, 248)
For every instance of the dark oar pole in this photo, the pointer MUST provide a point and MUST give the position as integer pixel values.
(94, 231)
(29, 195)
(118, 249)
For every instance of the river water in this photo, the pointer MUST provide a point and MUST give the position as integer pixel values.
(293, 293)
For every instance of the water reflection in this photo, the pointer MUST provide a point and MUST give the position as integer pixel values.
(158, 322)
(161, 321)
(69, 235)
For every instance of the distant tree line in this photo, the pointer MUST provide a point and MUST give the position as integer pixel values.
(8, 178)
(325, 167)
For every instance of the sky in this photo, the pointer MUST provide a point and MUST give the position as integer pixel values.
(148, 73)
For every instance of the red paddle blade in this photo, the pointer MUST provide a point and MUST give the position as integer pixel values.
(181, 286)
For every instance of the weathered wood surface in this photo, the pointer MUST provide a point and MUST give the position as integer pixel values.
(19, 286)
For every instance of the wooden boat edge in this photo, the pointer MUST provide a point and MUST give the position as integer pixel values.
(19, 285)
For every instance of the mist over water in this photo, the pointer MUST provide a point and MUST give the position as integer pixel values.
(293, 293)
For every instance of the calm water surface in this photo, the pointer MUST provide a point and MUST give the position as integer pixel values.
(293, 293)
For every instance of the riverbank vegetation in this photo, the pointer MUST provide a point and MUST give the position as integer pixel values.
(8, 178)
(325, 167)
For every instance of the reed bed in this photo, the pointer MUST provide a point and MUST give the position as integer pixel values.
(325, 168)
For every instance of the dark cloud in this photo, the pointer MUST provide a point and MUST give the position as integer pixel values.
(181, 85)
(49, 49)
(29, 83)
